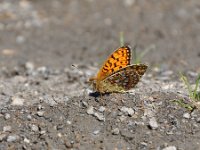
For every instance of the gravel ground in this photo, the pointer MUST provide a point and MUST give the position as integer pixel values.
(47, 104)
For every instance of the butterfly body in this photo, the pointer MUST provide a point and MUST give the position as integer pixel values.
(116, 74)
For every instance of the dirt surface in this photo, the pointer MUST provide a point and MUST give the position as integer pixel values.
(47, 104)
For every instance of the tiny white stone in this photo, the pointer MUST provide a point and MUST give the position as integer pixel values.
(129, 2)
(85, 104)
(115, 131)
(59, 135)
(7, 116)
(96, 132)
(34, 128)
(20, 39)
(17, 101)
(169, 148)
(153, 123)
(42, 132)
(130, 111)
(90, 110)
(12, 138)
(102, 109)
(69, 122)
(29, 66)
(186, 115)
(100, 117)
(40, 113)
(7, 128)
(122, 118)
(26, 140)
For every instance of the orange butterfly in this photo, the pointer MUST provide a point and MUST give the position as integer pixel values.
(116, 74)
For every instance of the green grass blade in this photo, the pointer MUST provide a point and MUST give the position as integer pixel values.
(121, 38)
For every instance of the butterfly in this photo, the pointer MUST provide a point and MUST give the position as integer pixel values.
(117, 74)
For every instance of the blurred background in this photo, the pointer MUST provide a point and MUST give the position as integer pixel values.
(58, 33)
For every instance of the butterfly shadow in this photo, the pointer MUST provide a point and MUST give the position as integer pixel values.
(100, 97)
(98, 94)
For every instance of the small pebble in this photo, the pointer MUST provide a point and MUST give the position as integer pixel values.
(69, 122)
(17, 101)
(169, 148)
(130, 112)
(26, 140)
(122, 118)
(20, 39)
(167, 73)
(29, 117)
(7, 129)
(85, 104)
(198, 120)
(59, 135)
(96, 132)
(186, 115)
(100, 117)
(127, 110)
(29, 66)
(12, 138)
(115, 131)
(68, 144)
(42, 70)
(129, 3)
(8, 52)
(153, 123)
(7, 116)
(102, 109)
(40, 113)
(34, 128)
(90, 110)
(144, 144)
(39, 107)
(2, 137)
(42, 132)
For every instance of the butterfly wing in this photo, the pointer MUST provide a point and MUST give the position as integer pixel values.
(120, 58)
(124, 79)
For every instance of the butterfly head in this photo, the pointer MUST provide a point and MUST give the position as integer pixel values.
(93, 82)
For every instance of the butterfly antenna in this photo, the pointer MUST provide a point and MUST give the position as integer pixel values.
(76, 67)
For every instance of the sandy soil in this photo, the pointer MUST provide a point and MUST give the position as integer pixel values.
(47, 104)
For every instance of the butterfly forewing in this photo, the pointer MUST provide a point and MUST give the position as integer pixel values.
(117, 60)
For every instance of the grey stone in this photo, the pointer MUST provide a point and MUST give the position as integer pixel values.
(170, 148)
(7, 129)
(40, 113)
(153, 123)
(7, 116)
(34, 128)
(12, 138)
(186, 116)
(90, 110)
(115, 131)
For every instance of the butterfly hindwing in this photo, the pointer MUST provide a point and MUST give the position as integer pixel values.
(127, 77)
